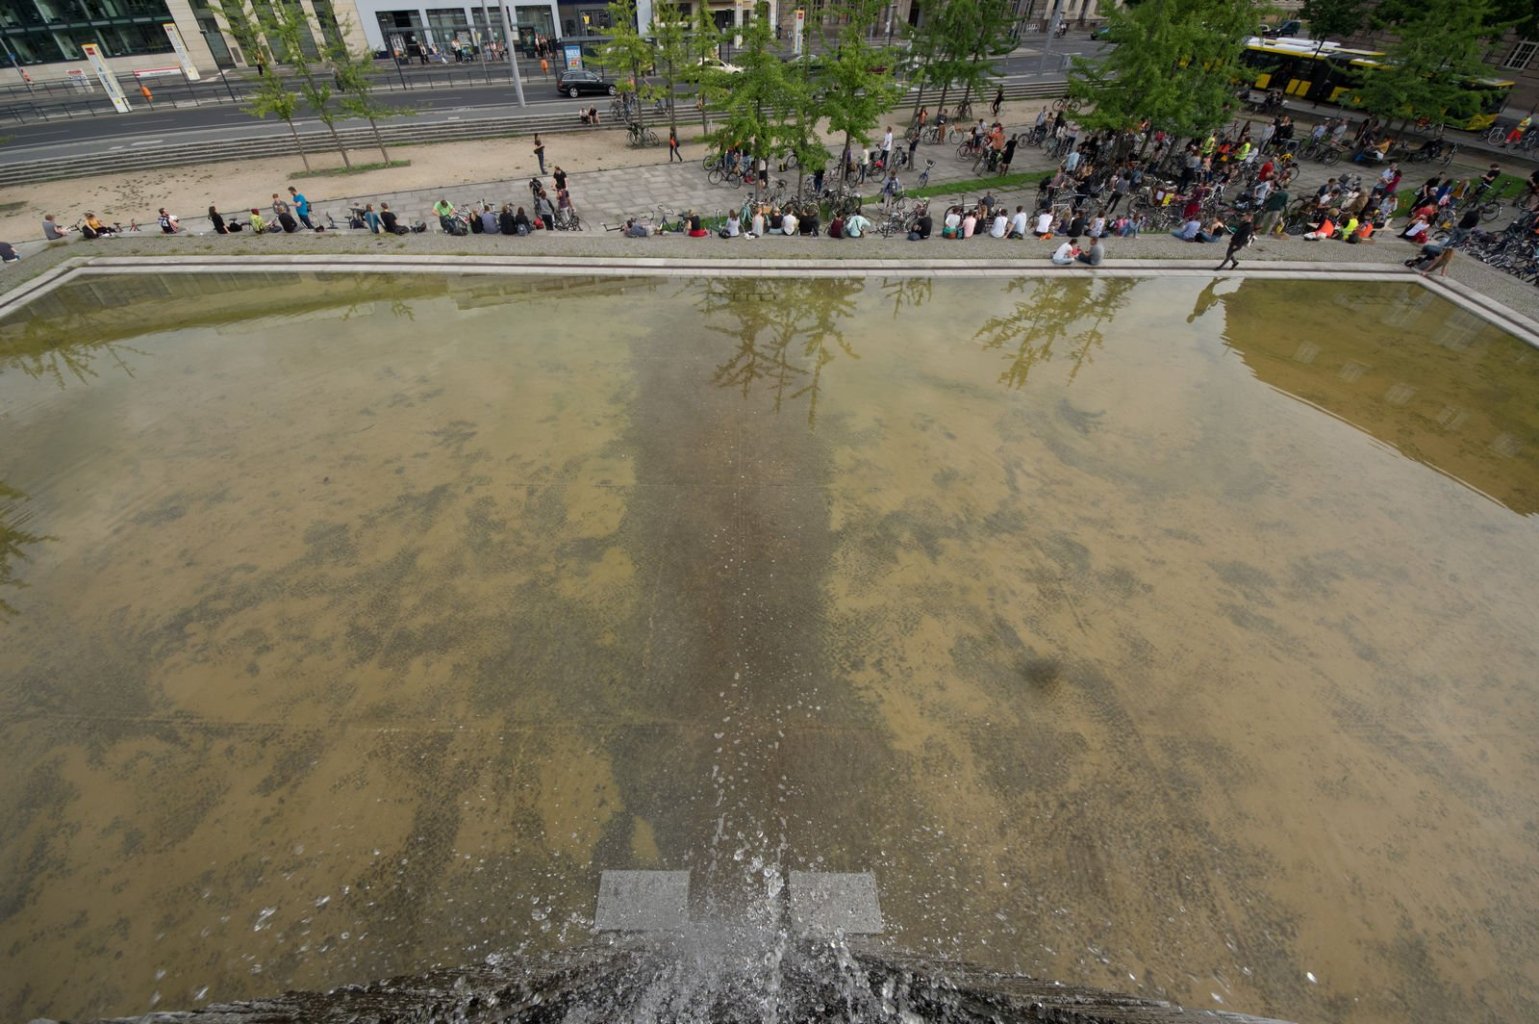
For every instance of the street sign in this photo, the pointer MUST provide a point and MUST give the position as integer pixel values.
(796, 38)
(183, 58)
(107, 78)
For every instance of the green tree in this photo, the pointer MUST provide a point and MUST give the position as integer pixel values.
(630, 52)
(1441, 45)
(355, 87)
(988, 32)
(673, 57)
(955, 43)
(1334, 19)
(938, 45)
(288, 31)
(273, 95)
(853, 95)
(1178, 70)
(703, 42)
(758, 93)
(805, 104)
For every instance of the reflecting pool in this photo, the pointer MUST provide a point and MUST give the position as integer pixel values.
(1174, 636)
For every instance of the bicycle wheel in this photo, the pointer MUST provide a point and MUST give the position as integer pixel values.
(1330, 156)
(965, 151)
(650, 138)
(1496, 136)
(716, 176)
(1491, 210)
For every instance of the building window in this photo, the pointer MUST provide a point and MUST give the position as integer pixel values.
(1521, 55)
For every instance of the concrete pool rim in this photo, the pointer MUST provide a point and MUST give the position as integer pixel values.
(1496, 313)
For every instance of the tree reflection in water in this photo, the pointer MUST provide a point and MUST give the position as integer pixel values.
(786, 333)
(40, 349)
(1053, 313)
(14, 540)
(910, 292)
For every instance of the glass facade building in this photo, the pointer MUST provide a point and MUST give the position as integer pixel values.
(42, 31)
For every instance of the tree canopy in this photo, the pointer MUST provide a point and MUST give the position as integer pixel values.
(1440, 45)
(1177, 67)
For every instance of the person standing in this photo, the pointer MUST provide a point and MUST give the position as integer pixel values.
(999, 99)
(1237, 241)
(673, 146)
(539, 151)
(1272, 209)
(279, 206)
(887, 148)
(560, 178)
(1008, 155)
(301, 207)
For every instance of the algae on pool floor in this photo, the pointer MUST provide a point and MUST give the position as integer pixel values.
(1164, 635)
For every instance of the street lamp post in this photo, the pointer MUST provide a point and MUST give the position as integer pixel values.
(507, 33)
(1052, 30)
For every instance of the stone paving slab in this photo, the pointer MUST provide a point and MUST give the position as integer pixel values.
(828, 902)
(642, 901)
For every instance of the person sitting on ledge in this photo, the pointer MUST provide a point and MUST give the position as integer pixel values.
(1066, 253)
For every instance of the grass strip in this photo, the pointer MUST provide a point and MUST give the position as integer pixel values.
(342, 172)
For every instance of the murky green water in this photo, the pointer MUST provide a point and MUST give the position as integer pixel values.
(1169, 636)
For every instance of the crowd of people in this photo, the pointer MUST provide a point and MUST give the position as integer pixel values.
(1104, 186)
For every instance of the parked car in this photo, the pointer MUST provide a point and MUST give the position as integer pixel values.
(583, 82)
(717, 64)
(1291, 27)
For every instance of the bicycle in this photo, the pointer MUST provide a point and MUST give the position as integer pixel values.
(733, 177)
(568, 220)
(924, 175)
(638, 136)
(969, 150)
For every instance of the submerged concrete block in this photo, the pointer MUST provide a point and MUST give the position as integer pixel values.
(828, 902)
(642, 901)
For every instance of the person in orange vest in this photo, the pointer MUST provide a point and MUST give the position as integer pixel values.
(144, 90)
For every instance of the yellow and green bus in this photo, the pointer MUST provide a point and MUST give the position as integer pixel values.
(1330, 73)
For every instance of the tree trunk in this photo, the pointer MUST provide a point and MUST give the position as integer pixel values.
(379, 140)
(641, 114)
(919, 100)
(337, 139)
(673, 116)
(300, 145)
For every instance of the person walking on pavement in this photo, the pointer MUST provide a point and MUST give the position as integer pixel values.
(999, 99)
(539, 151)
(673, 146)
(301, 207)
(1237, 241)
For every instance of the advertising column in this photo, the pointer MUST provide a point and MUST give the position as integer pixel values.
(108, 79)
(189, 69)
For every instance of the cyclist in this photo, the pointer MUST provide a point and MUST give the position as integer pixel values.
(1488, 179)
(1518, 131)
